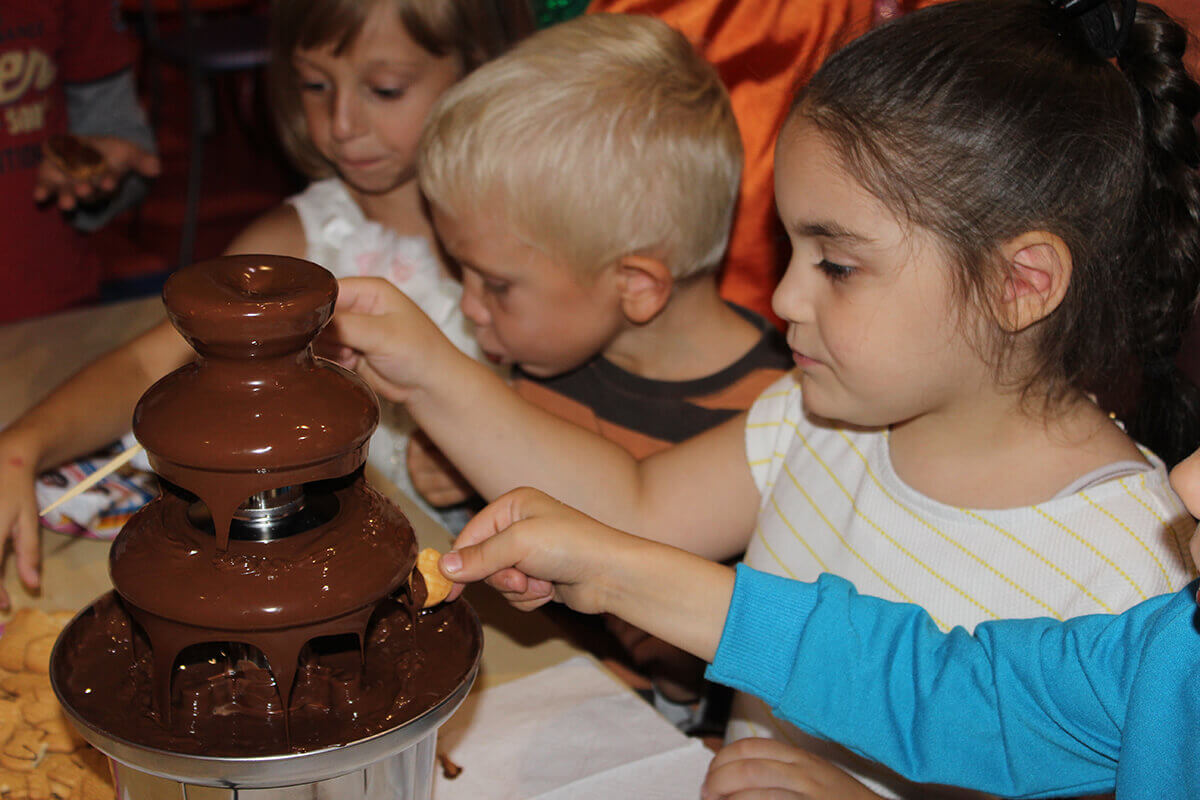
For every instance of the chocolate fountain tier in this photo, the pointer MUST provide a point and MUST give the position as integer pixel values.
(163, 564)
(258, 416)
(256, 411)
(256, 400)
(229, 714)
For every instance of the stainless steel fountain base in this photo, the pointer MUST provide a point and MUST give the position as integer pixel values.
(406, 775)
(396, 764)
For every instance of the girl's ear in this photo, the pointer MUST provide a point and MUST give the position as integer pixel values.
(644, 284)
(1037, 273)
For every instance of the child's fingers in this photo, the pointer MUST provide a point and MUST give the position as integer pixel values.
(366, 333)
(501, 513)
(748, 765)
(479, 561)
(748, 778)
(26, 541)
(382, 386)
(504, 582)
(753, 748)
(752, 768)
(372, 296)
(147, 163)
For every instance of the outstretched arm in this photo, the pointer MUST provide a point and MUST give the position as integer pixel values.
(698, 495)
(1021, 708)
(541, 550)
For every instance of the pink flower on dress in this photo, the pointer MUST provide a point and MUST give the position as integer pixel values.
(402, 270)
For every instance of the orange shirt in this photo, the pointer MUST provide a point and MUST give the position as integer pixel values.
(763, 50)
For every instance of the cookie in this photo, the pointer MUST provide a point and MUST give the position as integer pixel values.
(25, 626)
(437, 585)
(75, 157)
(42, 757)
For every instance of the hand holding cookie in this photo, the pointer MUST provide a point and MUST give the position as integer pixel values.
(84, 169)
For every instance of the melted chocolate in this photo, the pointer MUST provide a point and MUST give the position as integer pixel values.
(260, 645)
(225, 703)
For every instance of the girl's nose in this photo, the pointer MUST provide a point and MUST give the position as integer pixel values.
(348, 120)
(792, 299)
(471, 303)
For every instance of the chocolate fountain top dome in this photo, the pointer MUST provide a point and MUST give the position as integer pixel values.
(250, 306)
(256, 411)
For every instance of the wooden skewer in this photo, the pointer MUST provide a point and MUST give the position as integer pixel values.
(121, 460)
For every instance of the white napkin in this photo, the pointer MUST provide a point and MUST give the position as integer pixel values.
(569, 731)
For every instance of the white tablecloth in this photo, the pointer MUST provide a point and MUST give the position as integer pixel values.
(569, 731)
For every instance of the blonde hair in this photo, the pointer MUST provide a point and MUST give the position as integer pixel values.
(600, 137)
(474, 30)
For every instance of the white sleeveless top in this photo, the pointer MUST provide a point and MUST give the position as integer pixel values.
(831, 502)
(342, 240)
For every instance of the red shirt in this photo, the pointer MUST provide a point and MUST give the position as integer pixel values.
(45, 264)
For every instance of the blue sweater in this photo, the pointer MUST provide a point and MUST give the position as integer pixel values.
(1022, 708)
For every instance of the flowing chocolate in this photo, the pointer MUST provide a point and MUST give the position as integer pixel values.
(226, 703)
(255, 606)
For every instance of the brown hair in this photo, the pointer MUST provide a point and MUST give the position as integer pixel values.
(981, 120)
(474, 30)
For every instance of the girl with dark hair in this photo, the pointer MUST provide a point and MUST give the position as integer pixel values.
(994, 212)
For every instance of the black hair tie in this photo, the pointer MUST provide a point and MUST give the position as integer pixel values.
(1095, 21)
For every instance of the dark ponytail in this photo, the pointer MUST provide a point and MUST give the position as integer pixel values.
(1167, 416)
(981, 120)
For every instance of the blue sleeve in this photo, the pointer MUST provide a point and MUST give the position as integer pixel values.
(1023, 708)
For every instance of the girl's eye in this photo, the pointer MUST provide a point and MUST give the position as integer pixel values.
(494, 287)
(836, 272)
(384, 93)
(312, 86)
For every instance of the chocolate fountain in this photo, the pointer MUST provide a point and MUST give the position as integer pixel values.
(266, 636)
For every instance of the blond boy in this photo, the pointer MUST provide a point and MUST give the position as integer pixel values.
(585, 185)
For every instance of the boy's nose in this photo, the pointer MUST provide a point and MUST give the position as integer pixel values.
(471, 302)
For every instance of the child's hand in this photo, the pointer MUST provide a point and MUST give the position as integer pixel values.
(121, 157)
(433, 476)
(19, 512)
(533, 549)
(767, 768)
(385, 337)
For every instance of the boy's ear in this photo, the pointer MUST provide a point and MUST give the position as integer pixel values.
(644, 284)
(1038, 268)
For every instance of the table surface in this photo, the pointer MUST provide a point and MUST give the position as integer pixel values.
(36, 355)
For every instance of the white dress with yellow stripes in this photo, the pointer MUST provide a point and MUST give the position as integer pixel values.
(831, 502)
